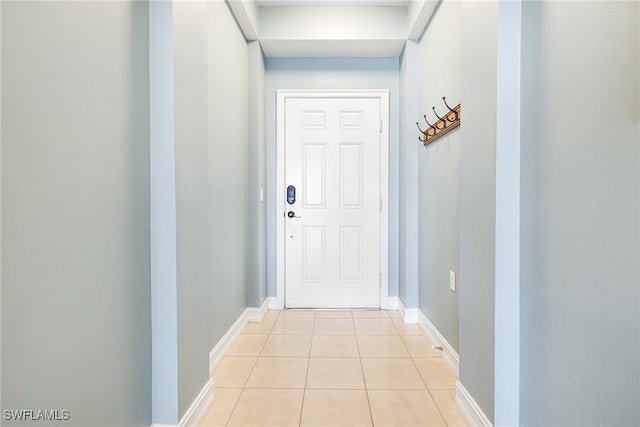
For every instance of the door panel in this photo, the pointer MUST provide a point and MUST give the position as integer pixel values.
(332, 242)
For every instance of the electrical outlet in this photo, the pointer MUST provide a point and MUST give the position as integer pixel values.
(452, 280)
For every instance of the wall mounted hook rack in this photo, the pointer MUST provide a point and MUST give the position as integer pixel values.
(444, 125)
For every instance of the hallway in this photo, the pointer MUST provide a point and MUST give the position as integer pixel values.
(330, 368)
(143, 197)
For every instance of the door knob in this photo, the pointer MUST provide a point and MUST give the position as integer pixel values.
(292, 214)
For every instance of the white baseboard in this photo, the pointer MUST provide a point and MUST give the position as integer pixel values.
(410, 315)
(390, 304)
(274, 303)
(469, 409)
(199, 408)
(256, 315)
(449, 355)
(222, 347)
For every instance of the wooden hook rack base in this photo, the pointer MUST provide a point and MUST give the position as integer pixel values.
(442, 126)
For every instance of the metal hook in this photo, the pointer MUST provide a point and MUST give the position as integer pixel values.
(455, 113)
(430, 126)
(441, 121)
(418, 125)
(434, 112)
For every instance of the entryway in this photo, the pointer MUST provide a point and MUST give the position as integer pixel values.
(333, 185)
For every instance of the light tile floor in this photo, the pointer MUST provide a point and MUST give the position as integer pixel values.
(333, 368)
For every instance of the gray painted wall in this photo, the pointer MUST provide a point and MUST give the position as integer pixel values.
(439, 179)
(164, 306)
(256, 175)
(476, 277)
(192, 205)
(408, 153)
(332, 73)
(227, 153)
(75, 197)
(580, 337)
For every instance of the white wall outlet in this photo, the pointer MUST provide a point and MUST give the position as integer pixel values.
(452, 280)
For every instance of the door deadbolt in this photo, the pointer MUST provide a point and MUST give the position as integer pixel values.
(291, 195)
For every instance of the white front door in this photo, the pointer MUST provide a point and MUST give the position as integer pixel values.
(332, 231)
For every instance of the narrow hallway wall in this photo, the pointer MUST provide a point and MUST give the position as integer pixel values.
(580, 291)
(193, 225)
(76, 332)
(227, 153)
(439, 178)
(478, 200)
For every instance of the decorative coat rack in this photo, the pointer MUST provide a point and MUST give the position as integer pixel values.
(444, 125)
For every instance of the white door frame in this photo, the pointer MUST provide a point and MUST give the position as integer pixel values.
(282, 96)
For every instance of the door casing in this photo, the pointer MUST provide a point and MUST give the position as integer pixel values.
(282, 96)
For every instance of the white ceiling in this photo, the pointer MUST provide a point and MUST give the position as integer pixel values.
(396, 3)
(332, 28)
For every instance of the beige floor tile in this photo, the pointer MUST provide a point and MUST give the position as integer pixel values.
(420, 346)
(247, 345)
(287, 346)
(298, 314)
(379, 326)
(445, 401)
(263, 328)
(272, 314)
(407, 328)
(334, 327)
(333, 314)
(368, 314)
(293, 326)
(404, 408)
(381, 346)
(436, 373)
(260, 407)
(224, 402)
(335, 373)
(334, 346)
(391, 374)
(394, 314)
(279, 372)
(233, 371)
(336, 408)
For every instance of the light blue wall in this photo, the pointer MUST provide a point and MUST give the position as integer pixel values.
(76, 331)
(580, 336)
(227, 153)
(164, 318)
(192, 205)
(256, 215)
(208, 117)
(439, 178)
(476, 278)
(408, 152)
(332, 73)
(78, 98)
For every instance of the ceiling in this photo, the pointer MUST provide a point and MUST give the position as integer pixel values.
(332, 28)
(397, 3)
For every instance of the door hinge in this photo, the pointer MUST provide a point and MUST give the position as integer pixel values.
(380, 206)
(379, 280)
(380, 125)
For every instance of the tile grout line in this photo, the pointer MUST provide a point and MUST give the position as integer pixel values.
(244, 387)
(306, 377)
(364, 379)
(424, 381)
